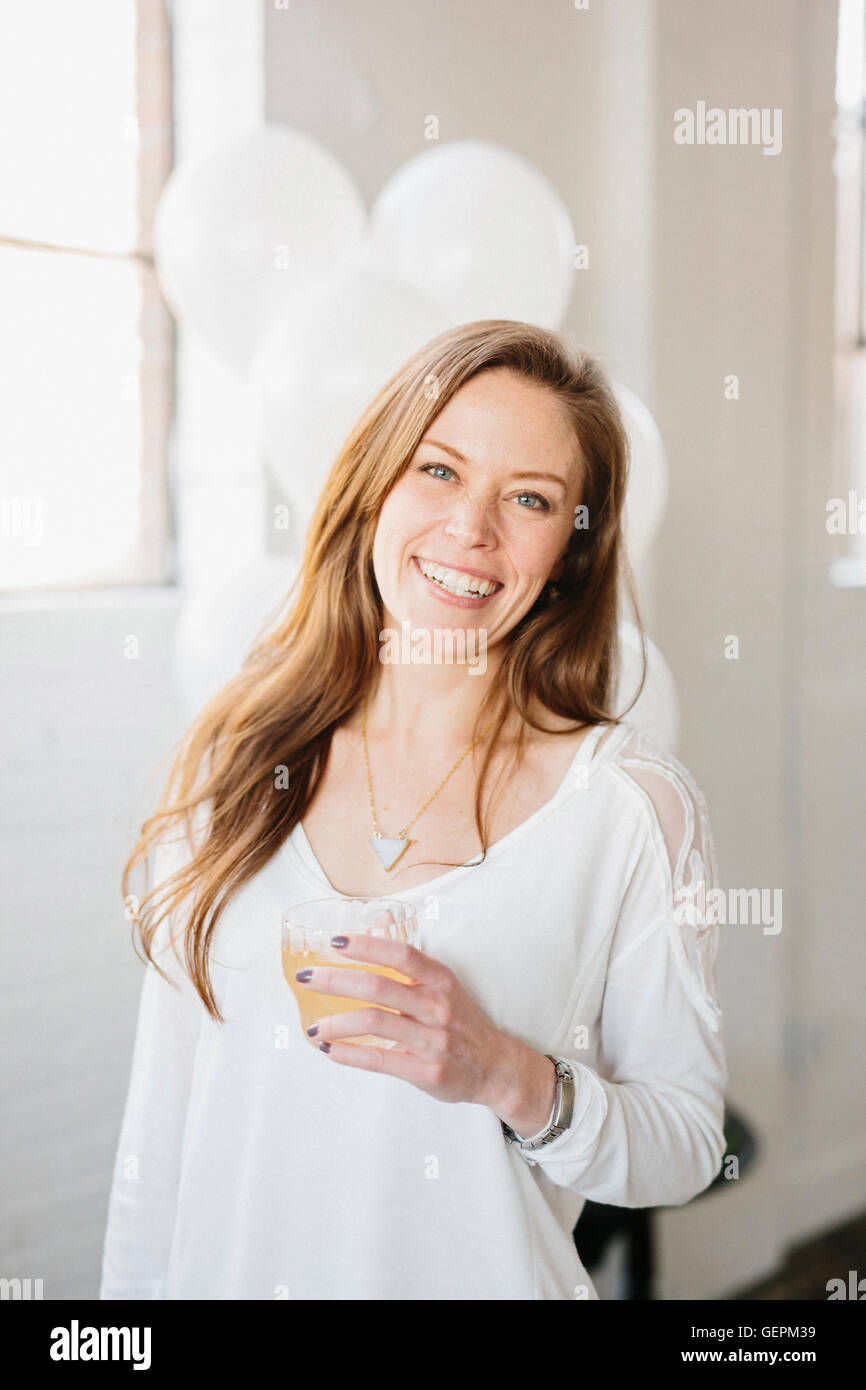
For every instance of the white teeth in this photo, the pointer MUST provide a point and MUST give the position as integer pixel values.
(455, 581)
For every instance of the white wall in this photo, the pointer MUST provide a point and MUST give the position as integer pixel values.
(744, 284)
(84, 729)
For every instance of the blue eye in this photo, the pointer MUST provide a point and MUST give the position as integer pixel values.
(543, 504)
(428, 467)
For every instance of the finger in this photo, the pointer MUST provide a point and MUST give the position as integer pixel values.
(367, 985)
(395, 1027)
(401, 1064)
(399, 955)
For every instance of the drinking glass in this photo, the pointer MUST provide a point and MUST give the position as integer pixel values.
(307, 929)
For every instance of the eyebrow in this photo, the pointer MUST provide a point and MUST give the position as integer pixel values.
(521, 473)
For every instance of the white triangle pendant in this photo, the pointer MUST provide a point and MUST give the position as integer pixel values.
(388, 850)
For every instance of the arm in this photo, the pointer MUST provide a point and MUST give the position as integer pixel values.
(647, 1128)
(141, 1207)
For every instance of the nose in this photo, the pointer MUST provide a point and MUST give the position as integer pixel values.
(471, 523)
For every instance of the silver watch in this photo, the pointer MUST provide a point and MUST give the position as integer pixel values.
(560, 1116)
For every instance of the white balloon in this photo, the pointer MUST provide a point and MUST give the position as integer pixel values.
(647, 491)
(481, 230)
(220, 620)
(318, 368)
(240, 232)
(656, 711)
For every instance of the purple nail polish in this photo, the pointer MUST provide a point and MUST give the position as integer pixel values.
(339, 941)
(303, 976)
(324, 1047)
(311, 1032)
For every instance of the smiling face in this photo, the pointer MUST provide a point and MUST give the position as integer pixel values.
(489, 495)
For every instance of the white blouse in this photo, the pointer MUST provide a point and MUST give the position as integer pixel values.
(252, 1166)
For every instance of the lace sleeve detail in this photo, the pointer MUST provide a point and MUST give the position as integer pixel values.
(682, 825)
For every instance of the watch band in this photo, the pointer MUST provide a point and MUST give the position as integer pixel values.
(560, 1116)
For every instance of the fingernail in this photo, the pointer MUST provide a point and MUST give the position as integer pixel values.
(324, 1047)
(339, 941)
(304, 976)
(311, 1032)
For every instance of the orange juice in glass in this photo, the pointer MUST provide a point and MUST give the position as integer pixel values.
(307, 929)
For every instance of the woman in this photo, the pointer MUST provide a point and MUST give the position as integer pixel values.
(561, 1040)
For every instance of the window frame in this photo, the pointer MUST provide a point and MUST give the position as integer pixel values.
(152, 558)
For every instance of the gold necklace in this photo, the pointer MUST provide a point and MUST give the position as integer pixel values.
(390, 848)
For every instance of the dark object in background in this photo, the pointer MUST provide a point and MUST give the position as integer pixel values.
(599, 1223)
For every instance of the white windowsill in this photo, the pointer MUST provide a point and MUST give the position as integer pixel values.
(70, 600)
(848, 572)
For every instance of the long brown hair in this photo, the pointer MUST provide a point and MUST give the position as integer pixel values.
(310, 670)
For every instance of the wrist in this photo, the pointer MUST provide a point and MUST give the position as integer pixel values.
(527, 1090)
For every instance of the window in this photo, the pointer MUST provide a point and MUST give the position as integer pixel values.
(86, 341)
(850, 311)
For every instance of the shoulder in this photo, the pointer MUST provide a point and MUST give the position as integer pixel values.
(181, 838)
(648, 765)
(666, 797)
(675, 870)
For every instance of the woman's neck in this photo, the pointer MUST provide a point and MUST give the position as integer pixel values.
(420, 706)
